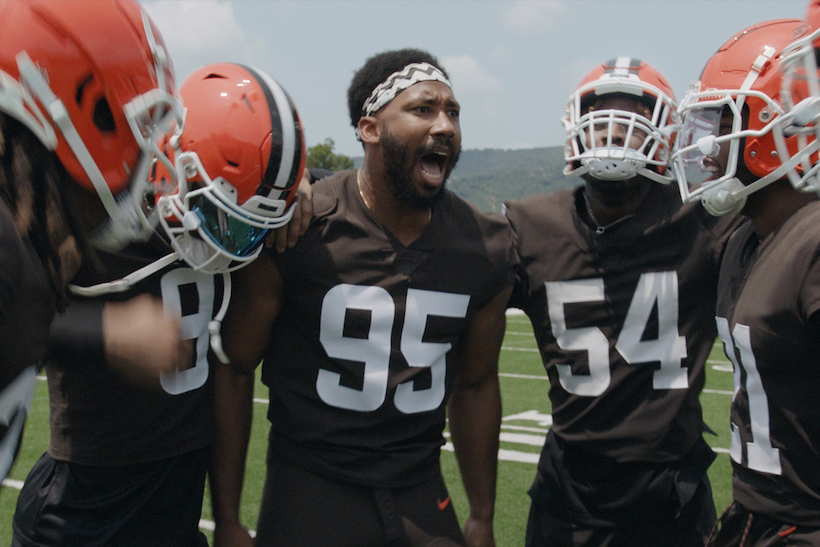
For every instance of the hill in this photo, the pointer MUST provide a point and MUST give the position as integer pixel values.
(491, 176)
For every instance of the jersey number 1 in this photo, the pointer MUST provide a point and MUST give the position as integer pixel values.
(760, 453)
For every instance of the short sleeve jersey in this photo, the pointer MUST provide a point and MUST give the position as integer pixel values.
(622, 319)
(365, 350)
(768, 292)
(99, 418)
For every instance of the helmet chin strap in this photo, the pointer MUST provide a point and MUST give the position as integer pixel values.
(730, 196)
(215, 326)
(122, 285)
(612, 168)
(720, 200)
(607, 169)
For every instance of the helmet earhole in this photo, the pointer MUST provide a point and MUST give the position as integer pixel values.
(103, 118)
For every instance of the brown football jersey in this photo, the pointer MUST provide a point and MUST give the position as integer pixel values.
(623, 319)
(364, 351)
(27, 302)
(27, 305)
(99, 418)
(768, 294)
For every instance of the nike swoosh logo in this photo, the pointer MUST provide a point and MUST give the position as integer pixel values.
(443, 504)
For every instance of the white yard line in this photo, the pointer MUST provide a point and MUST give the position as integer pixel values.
(508, 348)
(534, 436)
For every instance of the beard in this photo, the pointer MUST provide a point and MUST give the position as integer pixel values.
(399, 161)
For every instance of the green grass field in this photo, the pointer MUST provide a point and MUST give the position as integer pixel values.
(524, 388)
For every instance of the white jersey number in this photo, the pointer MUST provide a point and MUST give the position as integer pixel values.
(655, 290)
(194, 326)
(374, 351)
(761, 455)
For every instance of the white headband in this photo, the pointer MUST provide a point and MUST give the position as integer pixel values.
(398, 82)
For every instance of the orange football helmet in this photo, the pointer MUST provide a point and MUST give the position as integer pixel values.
(615, 160)
(743, 76)
(800, 68)
(239, 156)
(93, 81)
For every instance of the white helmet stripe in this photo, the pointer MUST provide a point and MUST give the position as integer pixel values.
(623, 66)
(289, 139)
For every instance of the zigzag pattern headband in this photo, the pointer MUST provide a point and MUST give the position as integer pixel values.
(399, 81)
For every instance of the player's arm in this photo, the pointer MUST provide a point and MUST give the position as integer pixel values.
(475, 417)
(136, 337)
(287, 235)
(255, 301)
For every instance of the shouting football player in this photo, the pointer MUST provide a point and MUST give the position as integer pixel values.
(388, 312)
(126, 463)
(77, 120)
(618, 278)
(748, 154)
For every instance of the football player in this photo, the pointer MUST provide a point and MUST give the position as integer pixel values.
(389, 307)
(799, 65)
(126, 463)
(618, 278)
(77, 126)
(742, 151)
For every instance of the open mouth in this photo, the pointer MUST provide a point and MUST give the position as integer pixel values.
(434, 165)
(709, 168)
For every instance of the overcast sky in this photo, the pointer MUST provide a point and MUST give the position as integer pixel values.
(513, 64)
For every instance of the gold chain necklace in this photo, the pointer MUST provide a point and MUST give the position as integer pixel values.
(367, 204)
(361, 193)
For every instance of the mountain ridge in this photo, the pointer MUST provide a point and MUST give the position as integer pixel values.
(488, 177)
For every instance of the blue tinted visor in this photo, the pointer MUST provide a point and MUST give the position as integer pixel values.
(229, 232)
